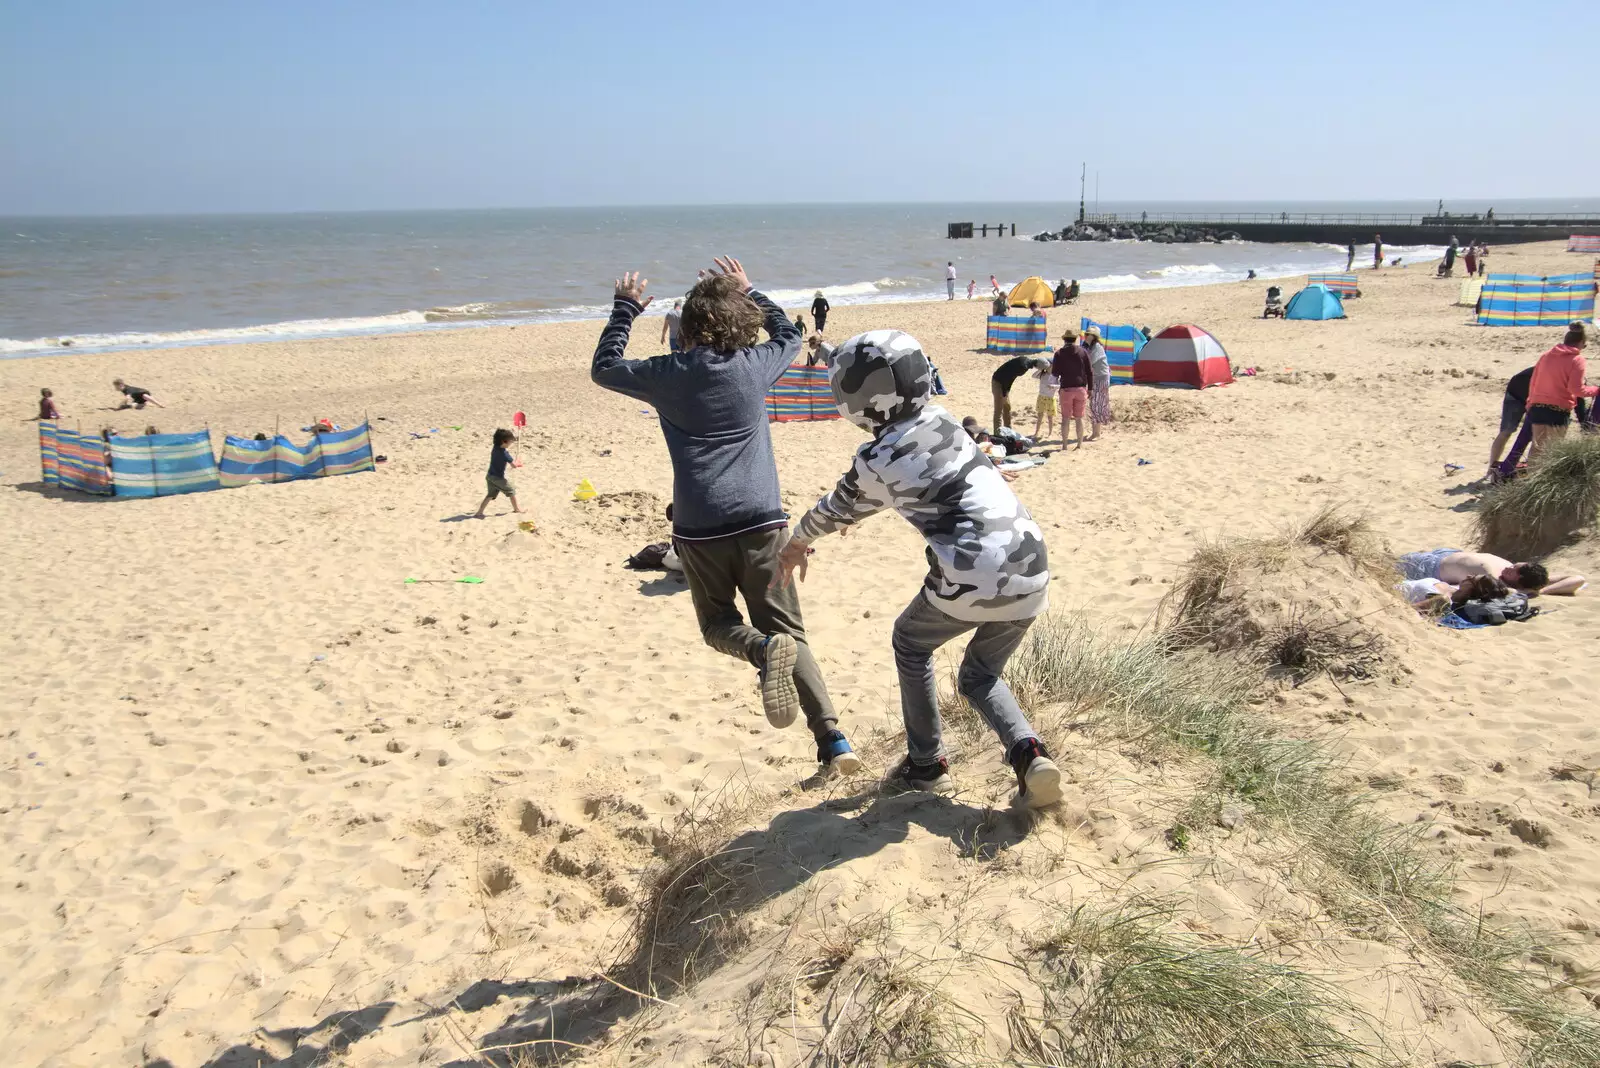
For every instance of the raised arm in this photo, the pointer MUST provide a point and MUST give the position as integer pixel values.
(1566, 586)
(610, 368)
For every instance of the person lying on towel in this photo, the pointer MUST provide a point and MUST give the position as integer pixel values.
(1454, 567)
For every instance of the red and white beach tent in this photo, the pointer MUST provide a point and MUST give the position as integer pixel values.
(1184, 356)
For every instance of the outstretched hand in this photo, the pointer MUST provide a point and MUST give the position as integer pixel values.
(732, 268)
(632, 286)
(791, 558)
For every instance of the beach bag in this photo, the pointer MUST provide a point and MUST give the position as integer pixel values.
(1492, 612)
(650, 558)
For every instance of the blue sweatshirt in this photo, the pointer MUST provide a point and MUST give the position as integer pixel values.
(713, 410)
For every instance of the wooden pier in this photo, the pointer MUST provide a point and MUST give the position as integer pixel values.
(1340, 229)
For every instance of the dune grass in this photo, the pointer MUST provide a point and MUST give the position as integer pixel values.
(682, 927)
(1376, 877)
(1557, 500)
(891, 1008)
(1127, 990)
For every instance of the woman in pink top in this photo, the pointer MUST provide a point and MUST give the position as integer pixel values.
(1554, 390)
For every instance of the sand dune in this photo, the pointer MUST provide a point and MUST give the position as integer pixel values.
(253, 782)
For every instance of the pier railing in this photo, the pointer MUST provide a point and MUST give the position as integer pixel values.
(1379, 220)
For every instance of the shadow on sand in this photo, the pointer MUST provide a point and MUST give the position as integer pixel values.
(552, 1020)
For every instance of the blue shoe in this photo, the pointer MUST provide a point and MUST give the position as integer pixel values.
(779, 698)
(835, 756)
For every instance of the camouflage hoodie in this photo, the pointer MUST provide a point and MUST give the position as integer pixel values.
(986, 555)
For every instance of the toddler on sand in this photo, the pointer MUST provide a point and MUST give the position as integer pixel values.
(499, 456)
(988, 573)
(1045, 406)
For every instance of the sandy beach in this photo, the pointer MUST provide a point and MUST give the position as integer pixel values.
(259, 795)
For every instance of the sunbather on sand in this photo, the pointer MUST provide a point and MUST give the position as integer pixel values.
(1454, 567)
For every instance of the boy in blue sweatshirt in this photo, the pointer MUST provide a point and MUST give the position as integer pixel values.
(728, 521)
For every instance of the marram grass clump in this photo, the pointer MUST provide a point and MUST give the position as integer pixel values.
(1555, 502)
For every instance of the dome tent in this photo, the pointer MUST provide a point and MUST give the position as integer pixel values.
(1315, 301)
(1032, 290)
(1183, 355)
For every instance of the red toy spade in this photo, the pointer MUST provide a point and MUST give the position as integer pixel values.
(519, 420)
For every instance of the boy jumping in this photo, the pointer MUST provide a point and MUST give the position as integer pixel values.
(988, 572)
(728, 520)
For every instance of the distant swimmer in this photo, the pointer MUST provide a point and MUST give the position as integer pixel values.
(1350, 256)
(1377, 251)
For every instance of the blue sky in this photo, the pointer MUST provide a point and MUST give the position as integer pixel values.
(182, 106)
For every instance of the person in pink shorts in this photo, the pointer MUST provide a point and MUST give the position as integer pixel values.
(1071, 368)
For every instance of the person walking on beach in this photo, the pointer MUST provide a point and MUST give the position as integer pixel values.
(988, 570)
(499, 457)
(1377, 251)
(994, 285)
(1000, 383)
(1350, 256)
(950, 278)
(1555, 387)
(672, 327)
(728, 523)
(819, 311)
(1471, 256)
(1483, 259)
(1099, 384)
(972, 287)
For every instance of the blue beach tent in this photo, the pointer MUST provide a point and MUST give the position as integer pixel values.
(1315, 302)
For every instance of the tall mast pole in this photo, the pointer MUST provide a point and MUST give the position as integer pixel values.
(1083, 177)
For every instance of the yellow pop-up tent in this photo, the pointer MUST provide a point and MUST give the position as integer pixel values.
(1033, 289)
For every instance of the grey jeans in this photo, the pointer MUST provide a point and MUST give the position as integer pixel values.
(746, 564)
(922, 629)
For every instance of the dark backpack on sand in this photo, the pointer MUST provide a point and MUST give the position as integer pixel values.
(1492, 612)
(650, 557)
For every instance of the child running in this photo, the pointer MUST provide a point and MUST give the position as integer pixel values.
(499, 456)
(988, 572)
(1045, 406)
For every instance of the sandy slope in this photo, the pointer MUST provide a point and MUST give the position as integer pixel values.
(252, 779)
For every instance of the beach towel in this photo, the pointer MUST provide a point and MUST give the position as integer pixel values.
(161, 465)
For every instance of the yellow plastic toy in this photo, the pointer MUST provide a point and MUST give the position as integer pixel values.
(585, 491)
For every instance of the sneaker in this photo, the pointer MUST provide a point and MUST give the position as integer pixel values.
(933, 778)
(779, 698)
(835, 757)
(1038, 778)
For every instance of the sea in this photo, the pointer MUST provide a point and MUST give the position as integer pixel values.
(101, 284)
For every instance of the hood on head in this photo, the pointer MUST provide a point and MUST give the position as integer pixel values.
(879, 378)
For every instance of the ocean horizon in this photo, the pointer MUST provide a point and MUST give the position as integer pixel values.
(108, 283)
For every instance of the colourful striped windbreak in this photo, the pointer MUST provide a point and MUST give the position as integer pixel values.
(1017, 333)
(1122, 348)
(1583, 243)
(161, 465)
(337, 452)
(1342, 284)
(802, 394)
(73, 461)
(1531, 300)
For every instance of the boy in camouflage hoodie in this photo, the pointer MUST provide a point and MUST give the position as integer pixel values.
(987, 567)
